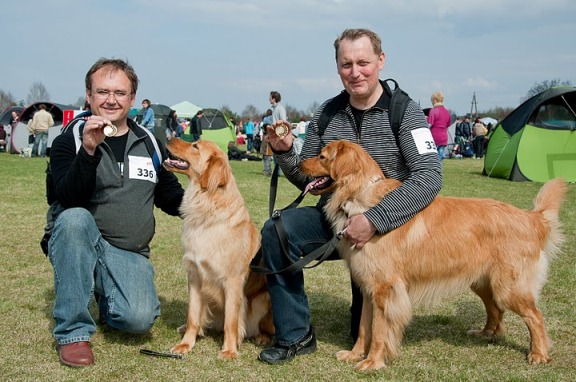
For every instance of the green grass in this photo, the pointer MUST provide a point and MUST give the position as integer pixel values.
(435, 346)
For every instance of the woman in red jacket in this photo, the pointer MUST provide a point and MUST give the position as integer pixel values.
(439, 119)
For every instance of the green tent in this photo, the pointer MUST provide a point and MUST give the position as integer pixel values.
(537, 141)
(216, 128)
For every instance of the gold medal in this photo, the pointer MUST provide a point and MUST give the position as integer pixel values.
(110, 130)
(281, 130)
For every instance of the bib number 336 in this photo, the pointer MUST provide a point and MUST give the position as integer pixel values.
(141, 168)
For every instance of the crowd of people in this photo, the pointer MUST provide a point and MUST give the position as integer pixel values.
(470, 140)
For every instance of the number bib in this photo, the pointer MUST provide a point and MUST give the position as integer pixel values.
(424, 141)
(141, 168)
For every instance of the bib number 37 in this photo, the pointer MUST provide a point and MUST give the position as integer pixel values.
(424, 141)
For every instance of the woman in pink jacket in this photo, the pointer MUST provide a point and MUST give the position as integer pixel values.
(439, 119)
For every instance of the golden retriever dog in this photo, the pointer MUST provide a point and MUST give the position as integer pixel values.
(499, 251)
(219, 241)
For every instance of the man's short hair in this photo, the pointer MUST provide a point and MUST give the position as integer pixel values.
(275, 96)
(355, 34)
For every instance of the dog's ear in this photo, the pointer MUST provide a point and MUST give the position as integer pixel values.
(345, 161)
(216, 174)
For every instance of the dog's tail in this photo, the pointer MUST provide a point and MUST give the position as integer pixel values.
(548, 203)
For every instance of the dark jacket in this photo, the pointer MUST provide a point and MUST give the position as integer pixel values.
(122, 203)
(463, 130)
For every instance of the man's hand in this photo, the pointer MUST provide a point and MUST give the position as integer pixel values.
(359, 230)
(280, 143)
(93, 133)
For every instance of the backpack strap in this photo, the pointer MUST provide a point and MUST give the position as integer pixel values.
(153, 149)
(332, 108)
(397, 104)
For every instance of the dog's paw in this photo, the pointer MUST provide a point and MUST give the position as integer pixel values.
(262, 339)
(369, 365)
(348, 355)
(481, 333)
(182, 348)
(228, 354)
(537, 358)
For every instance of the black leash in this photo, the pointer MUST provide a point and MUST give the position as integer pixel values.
(320, 254)
(154, 353)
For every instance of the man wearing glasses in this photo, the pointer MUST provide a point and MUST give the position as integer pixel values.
(107, 189)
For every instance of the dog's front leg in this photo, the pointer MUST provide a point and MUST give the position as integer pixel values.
(234, 318)
(392, 310)
(193, 325)
(364, 334)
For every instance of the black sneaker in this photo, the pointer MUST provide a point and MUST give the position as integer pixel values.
(278, 353)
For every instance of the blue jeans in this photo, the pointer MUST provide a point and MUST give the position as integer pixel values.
(249, 142)
(441, 150)
(84, 263)
(40, 139)
(307, 229)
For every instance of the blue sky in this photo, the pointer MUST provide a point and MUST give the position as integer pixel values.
(232, 53)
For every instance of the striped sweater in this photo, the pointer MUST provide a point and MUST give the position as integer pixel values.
(400, 159)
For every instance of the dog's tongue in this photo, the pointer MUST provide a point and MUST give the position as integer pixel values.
(176, 163)
(315, 184)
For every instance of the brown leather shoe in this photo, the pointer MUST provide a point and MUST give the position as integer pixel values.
(76, 354)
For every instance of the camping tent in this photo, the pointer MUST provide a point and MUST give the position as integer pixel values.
(161, 113)
(19, 135)
(537, 141)
(185, 109)
(216, 128)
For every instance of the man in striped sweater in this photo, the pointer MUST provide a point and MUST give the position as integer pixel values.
(408, 155)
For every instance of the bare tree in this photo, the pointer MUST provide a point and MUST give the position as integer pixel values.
(293, 114)
(225, 109)
(38, 93)
(539, 87)
(6, 100)
(250, 111)
(312, 109)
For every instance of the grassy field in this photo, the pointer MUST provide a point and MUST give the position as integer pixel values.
(435, 346)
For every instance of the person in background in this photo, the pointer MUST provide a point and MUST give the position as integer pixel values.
(407, 157)
(298, 142)
(479, 132)
(457, 130)
(439, 119)
(234, 153)
(465, 131)
(14, 120)
(2, 138)
(302, 125)
(106, 193)
(249, 131)
(148, 118)
(278, 110)
(265, 148)
(196, 126)
(172, 125)
(41, 122)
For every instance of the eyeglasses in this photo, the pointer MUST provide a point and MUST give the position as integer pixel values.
(119, 95)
